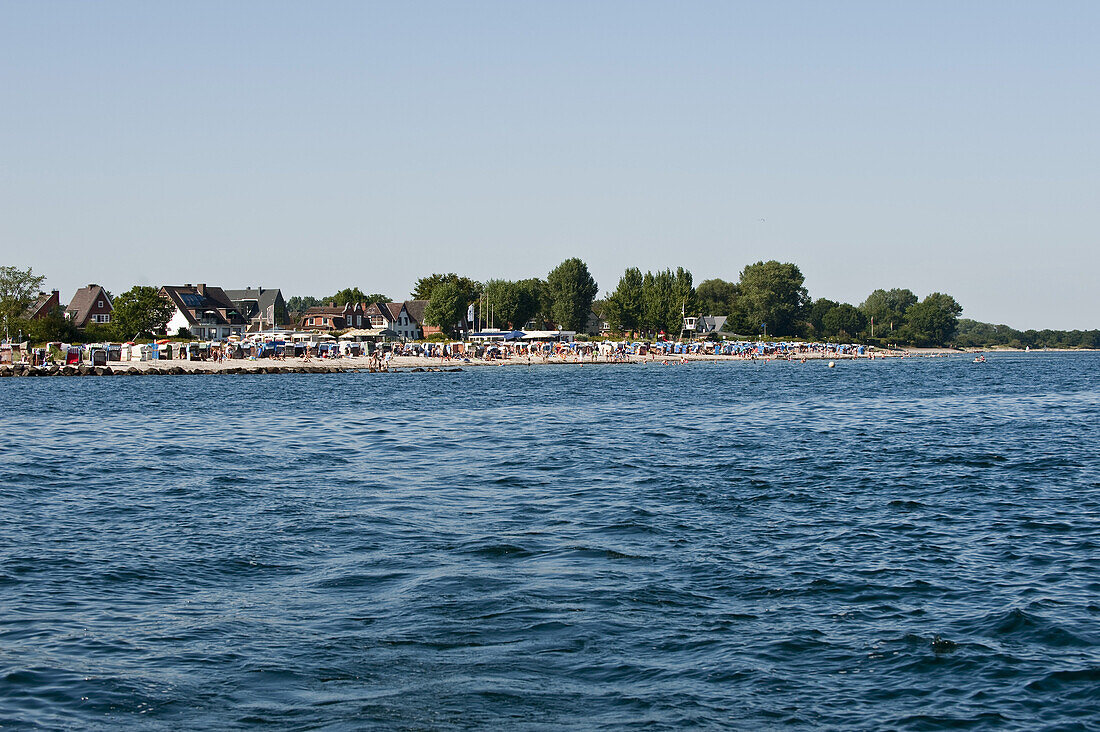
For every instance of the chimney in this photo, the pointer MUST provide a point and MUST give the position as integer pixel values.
(201, 288)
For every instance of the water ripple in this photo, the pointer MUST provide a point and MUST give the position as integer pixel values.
(888, 545)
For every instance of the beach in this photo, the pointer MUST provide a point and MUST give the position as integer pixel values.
(404, 363)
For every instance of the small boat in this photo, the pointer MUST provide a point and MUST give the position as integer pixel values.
(980, 359)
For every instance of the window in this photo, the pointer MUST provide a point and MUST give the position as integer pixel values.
(101, 318)
(99, 304)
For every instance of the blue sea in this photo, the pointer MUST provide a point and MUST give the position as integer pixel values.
(903, 544)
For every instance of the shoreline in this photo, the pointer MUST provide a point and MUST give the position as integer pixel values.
(399, 364)
(417, 364)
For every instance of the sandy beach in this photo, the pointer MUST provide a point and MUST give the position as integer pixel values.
(407, 363)
(402, 363)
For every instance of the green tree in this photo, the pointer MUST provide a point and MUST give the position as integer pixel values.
(536, 296)
(18, 289)
(843, 320)
(299, 304)
(816, 313)
(426, 285)
(511, 303)
(683, 298)
(624, 306)
(54, 326)
(933, 321)
(447, 307)
(572, 291)
(666, 295)
(715, 297)
(140, 311)
(353, 295)
(888, 307)
(772, 294)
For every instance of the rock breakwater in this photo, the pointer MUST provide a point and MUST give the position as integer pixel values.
(24, 371)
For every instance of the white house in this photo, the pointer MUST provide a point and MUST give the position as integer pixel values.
(205, 311)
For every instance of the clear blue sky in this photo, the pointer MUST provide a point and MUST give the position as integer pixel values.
(950, 146)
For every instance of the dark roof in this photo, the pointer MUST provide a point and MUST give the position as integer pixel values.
(38, 306)
(395, 309)
(325, 310)
(82, 302)
(189, 301)
(415, 309)
(376, 308)
(251, 302)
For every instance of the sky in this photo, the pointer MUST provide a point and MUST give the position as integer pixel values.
(939, 146)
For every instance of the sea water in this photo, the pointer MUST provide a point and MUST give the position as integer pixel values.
(903, 544)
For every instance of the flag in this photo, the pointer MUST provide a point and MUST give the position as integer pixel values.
(470, 313)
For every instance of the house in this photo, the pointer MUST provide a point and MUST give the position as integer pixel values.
(403, 318)
(402, 322)
(711, 323)
(415, 310)
(324, 317)
(378, 315)
(262, 308)
(334, 317)
(43, 305)
(90, 304)
(205, 311)
(595, 325)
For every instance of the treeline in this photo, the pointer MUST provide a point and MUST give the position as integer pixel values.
(770, 298)
(971, 334)
(297, 305)
(563, 299)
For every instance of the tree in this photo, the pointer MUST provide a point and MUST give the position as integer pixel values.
(715, 297)
(140, 311)
(843, 320)
(301, 303)
(665, 297)
(353, 295)
(536, 295)
(447, 306)
(933, 321)
(888, 307)
(572, 291)
(817, 312)
(771, 294)
(510, 303)
(17, 290)
(683, 298)
(54, 326)
(624, 305)
(426, 285)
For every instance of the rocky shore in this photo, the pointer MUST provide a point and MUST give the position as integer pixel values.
(182, 368)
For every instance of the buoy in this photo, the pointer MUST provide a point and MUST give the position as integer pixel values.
(832, 364)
